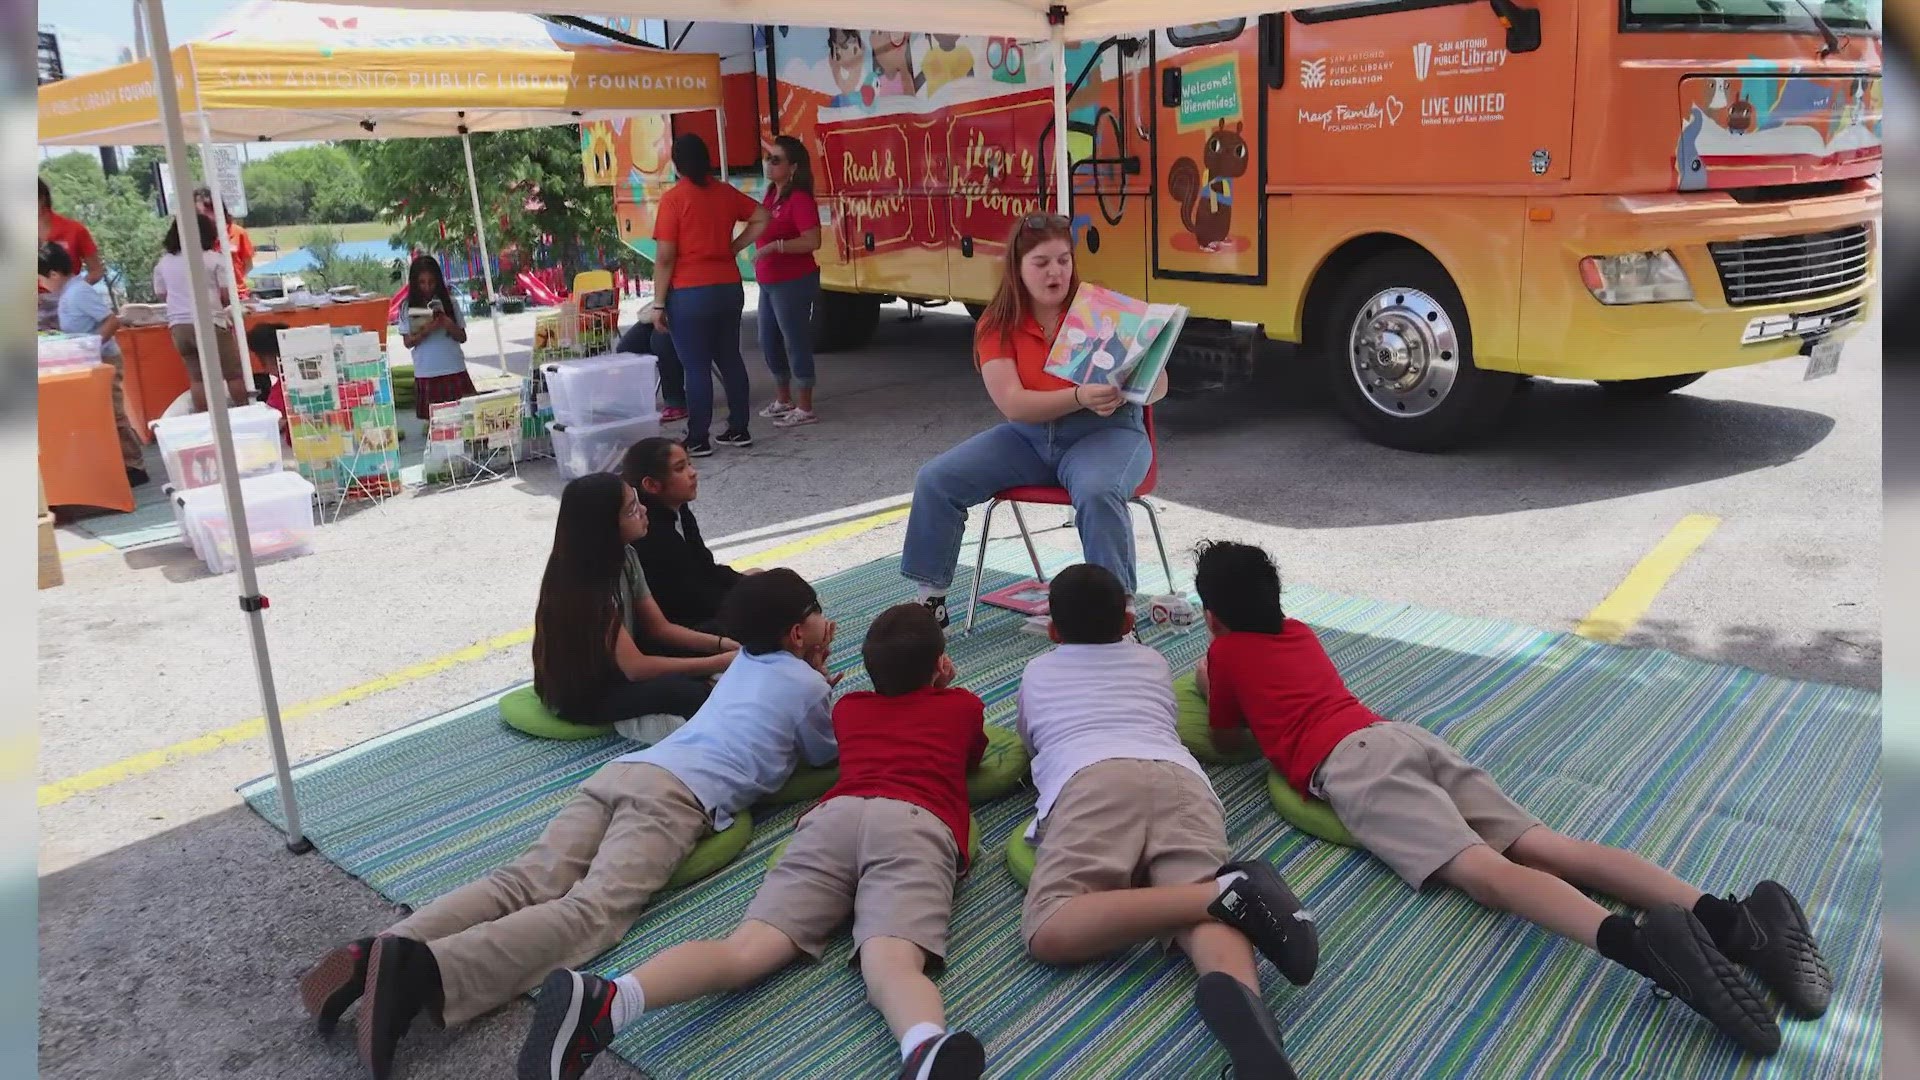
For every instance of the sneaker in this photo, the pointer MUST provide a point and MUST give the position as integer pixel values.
(672, 413)
(1241, 1022)
(698, 448)
(937, 605)
(1677, 953)
(795, 418)
(1773, 939)
(1262, 907)
(956, 1055)
(402, 979)
(137, 477)
(776, 408)
(734, 438)
(572, 1023)
(335, 983)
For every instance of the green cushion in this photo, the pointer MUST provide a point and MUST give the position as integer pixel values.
(524, 711)
(713, 852)
(973, 844)
(1195, 731)
(1002, 769)
(805, 784)
(1020, 854)
(1309, 815)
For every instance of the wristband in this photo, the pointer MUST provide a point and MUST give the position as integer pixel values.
(1076, 397)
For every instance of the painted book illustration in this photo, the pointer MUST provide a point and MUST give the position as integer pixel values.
(1110, 338)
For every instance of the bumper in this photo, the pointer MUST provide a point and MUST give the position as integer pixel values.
(1565, 333)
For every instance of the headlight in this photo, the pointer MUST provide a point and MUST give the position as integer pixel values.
(1642, 277)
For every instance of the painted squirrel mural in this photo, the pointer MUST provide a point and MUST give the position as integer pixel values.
(1205, 193)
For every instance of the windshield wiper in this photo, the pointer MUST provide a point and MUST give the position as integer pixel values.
(1827, 35)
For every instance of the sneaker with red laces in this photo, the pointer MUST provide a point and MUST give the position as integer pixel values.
(335, 983)
(954, 1055)
(572, 1023)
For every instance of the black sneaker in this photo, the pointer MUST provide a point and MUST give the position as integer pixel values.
(1772, 937)
(572, 1023)
(956, 1055)
(1241, 1022)
(402, 979)
(335, 983)
(937, 605)
(137, 477)
(734, 438)
(1677, 953)
(1262, 907)
(698, 448)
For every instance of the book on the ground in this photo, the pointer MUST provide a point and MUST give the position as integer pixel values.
(1110, 338)
(1027, 597)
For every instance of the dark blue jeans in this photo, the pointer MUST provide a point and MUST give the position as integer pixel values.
(786, 330)
(704, 322)
(640, 340)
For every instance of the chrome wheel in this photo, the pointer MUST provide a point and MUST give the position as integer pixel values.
(1403, 352)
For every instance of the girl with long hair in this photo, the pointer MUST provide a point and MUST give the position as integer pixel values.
(439, 362)
(696, 282)
(1087, 439)
(789, 281)
(172, 283)
(595, 611)
(687, 581)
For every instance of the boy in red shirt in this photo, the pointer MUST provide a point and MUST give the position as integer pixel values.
(1429, 814)
(885, 845)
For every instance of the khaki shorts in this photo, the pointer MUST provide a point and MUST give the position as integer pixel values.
(1120, 824)
(231, 365)
(1409, 797)
(889, 864)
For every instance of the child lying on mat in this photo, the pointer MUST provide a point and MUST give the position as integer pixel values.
(577, 890)
(1432, 816)
(1121, 803)
(884, 846)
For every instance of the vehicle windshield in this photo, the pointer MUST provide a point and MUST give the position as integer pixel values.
(1854, 16)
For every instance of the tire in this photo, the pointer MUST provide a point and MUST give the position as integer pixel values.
(1400, 309)
(1648, 389)
(843, 321)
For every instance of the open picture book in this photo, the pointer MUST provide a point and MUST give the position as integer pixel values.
(1110, 338)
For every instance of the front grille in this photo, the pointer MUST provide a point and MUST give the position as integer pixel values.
(1776, 269)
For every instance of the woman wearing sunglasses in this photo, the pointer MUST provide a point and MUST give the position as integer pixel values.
(1087, 439)
(789, 281)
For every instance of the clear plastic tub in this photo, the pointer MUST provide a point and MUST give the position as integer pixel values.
(602, 389)
(186, 445)
(280, 520)
(591, 448)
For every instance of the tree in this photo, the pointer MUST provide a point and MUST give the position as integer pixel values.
(331, 268)
(318, 183)
(532, 190)
(122, 221)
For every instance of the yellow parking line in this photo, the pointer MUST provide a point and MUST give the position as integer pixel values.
(60, 791)
(1625, 606)
(86, 552)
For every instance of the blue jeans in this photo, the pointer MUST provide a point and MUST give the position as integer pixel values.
(704, 322)
(1099, 460)
(639, 340)
(786, 330)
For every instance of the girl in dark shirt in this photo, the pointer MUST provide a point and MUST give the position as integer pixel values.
(686, 580)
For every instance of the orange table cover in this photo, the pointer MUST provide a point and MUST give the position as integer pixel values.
(79, 449)
(156, 375)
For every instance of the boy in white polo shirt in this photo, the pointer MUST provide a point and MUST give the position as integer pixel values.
(1131, 839)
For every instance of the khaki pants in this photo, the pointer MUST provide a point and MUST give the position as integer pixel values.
(572, 896)
(133, 453)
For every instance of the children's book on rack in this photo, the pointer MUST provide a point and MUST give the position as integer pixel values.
(473, 436)
(340, 415)
(581, 326)
(1112, 339)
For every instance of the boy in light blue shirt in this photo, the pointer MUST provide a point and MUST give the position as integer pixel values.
(578, 889)
(83, 309)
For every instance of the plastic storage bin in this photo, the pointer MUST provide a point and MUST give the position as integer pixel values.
(186, 445)
(592, 448)
(602, 389)
(280, 520)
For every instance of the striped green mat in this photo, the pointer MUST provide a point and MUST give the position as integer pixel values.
(1723, 774)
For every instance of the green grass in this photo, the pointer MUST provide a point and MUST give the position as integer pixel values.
(288, 237)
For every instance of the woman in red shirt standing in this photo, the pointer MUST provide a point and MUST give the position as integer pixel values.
(696, 282)
(789, 282)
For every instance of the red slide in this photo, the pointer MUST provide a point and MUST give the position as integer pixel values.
(537, 290)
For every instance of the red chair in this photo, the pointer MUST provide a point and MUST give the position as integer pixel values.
(1052, 495)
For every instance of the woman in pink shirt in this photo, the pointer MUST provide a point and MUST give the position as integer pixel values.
(789, 281)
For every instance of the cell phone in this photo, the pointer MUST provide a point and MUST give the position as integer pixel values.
(435, 306)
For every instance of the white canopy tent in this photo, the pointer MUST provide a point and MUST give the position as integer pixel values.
(283, 71)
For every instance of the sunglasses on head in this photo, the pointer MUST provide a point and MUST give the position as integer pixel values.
(1039, 222)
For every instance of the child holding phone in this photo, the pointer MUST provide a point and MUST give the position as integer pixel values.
(439, 362)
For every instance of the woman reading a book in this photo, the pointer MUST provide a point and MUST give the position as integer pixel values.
(1086, 438)
(595, 605)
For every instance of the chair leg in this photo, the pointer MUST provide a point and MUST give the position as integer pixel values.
(1153, 520)
(980, 563)
(1027, 537)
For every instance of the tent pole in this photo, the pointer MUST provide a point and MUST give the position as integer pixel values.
(1062, 168)
(235, 311)
(486, 260)
(251, 601)
(720, 139)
